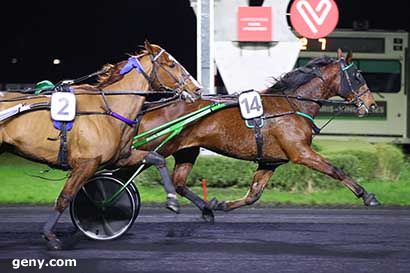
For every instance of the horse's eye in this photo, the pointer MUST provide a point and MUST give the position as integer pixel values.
(359, 77)
(172, 65)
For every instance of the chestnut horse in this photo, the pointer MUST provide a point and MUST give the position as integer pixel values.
(287, 136)
(104, 125)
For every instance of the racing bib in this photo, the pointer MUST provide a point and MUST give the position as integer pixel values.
(250, 103)
(63, 105)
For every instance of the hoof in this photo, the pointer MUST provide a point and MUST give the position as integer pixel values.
(172, 204)
(221, 206)
(54, 245)
(215, 205)
(208, 215)
(211, 205)
(369, 199)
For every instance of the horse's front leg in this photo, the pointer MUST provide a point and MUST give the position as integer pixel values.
(259, 182)
(153, 158)
(82, 170)
(304, 155)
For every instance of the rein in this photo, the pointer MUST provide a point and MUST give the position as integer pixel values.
(319, 101)
(97, 92)
(316, 129)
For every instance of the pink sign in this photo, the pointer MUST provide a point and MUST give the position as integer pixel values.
(255, 24)
(314, 18)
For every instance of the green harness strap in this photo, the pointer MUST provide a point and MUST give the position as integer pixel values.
(174, 127)
(315, 128)
(347, 67)
(309, 117)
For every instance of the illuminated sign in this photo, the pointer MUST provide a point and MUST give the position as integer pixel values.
(365, 45)
(314, 18)
(254, 24)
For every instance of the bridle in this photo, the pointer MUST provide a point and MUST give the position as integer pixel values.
(347, 86)
(153, 80)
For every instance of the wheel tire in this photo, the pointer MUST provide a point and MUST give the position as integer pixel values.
(104, 222)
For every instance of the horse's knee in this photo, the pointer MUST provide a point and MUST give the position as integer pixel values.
(63, 201)
(156, 159)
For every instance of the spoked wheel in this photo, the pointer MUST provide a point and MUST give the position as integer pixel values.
(97, 216)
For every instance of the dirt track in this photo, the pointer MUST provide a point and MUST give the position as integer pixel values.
(248, 240)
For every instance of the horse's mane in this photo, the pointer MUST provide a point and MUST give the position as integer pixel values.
(299, 76)
(111, 74)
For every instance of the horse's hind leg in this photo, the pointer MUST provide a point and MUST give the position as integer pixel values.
(82, 170)
(259, 182)
(304, 155)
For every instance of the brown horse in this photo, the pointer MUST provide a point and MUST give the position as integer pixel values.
(286, 136)
(103, 128)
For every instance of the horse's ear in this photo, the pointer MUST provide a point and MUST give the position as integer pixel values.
(340, 54)
(349, 57)
(148, 47)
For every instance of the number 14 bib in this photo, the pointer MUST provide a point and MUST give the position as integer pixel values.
(250, 103)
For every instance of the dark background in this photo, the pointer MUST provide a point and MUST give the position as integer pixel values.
(87, 34)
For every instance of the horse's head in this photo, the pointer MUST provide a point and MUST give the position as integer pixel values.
(168, 74)
(353, 87)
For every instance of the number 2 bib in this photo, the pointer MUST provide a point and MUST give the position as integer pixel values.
(63, 106)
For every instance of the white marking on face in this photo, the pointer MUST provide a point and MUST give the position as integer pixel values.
(196, 83)
(192, 79)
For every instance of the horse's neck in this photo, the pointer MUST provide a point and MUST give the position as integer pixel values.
(315, 89)
(128, 105)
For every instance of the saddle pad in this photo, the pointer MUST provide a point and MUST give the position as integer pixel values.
(58, 124)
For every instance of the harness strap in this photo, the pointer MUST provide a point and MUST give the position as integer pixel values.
(309, 117)
(256, 123)
(133, 62)
(129, 122)
(315, 128)
(62, 157)
(347, 67)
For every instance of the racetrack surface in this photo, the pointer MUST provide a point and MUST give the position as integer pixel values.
(247, 240)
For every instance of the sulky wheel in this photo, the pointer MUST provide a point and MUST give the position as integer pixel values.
(102, 220)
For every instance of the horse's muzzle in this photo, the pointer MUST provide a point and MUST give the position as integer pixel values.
(188, 97)
(362, 110)
(373, 107)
